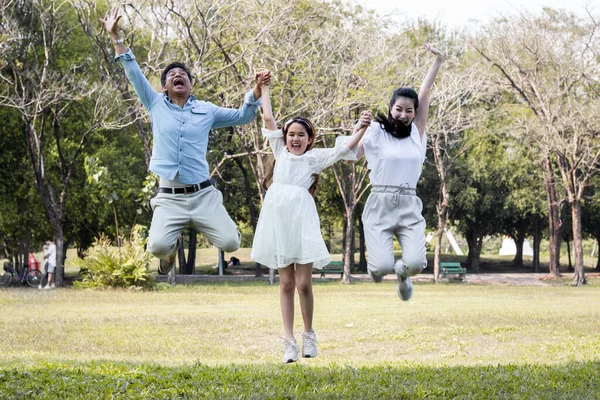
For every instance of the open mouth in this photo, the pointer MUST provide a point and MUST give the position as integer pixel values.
(178, 82)
(296, 146)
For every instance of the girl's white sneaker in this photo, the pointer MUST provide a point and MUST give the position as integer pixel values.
(309, 345)
(290, 350)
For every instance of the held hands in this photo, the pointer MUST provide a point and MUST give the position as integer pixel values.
(111, 22)
(359, 130)
(364, 121)
(262, 79)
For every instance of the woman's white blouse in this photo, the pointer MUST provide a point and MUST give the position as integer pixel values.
(393, 161)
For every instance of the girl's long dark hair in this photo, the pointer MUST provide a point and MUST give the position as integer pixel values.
(271, 161)
(388, 123)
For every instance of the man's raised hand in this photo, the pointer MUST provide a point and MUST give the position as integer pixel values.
(111, 22)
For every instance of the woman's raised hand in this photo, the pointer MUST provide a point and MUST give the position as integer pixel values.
(433, 50)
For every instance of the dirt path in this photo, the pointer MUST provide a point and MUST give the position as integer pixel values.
(507, 279)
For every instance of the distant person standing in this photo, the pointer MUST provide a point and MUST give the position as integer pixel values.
(50, 265)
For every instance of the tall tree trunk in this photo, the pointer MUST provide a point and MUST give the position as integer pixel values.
(442, 206)
(26, 255)
(579, 278)
(554, 225)
(519, 239)
(181, 256)
(187, 266)
(537, 238)
(362, 264)
(477, 256)
(471, 243)
(190, 265)
(570, 268)
(353, 243)
(474, 242)
(59, 237)
(271, 276)
(598, 261)
(518, 260)
(348, 249)
(142, 131)
(251, 209)
(437, 252)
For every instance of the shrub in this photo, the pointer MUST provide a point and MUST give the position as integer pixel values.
(106, 266)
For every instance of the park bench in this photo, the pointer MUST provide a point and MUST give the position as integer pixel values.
(452, 268)
(334, 267)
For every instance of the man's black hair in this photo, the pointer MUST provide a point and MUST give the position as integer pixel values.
(163, 76)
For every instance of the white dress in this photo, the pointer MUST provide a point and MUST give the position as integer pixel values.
(288, 229)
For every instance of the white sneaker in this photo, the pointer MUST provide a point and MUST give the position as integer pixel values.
(53, 286)
(309, 345)
(47, 287)
(40, 286)
(290, 350)
(405, 287)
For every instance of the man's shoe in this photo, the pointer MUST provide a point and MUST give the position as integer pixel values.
(290, 350)
(165, 266)
(405, 288)
(376, 278)
(309, 345)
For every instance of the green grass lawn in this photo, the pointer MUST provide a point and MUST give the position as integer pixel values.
(221, 340)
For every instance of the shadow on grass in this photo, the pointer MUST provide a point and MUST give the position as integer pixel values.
(577, 380)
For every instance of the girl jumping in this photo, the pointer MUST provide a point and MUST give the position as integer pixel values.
(288, 233)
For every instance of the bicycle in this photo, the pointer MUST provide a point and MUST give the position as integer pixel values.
(32, 277)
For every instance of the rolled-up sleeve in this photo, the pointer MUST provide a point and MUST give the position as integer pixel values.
(144, 91)
(237, 116)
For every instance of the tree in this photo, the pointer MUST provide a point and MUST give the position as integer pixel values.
(479, 193)
(457, 107)
(46, 90)
(22, 220)
(550, 61)
(591, 214)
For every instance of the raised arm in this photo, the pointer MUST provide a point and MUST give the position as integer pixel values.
(344, 148)
(267, 111)
(243, 115)
(111, 24)
(140, 84)
(423, 111)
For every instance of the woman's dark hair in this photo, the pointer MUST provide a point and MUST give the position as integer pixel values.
(163, 76)
(388, 123)
(310, 129)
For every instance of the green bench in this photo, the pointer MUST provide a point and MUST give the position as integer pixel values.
(334, 267)
(452, 268)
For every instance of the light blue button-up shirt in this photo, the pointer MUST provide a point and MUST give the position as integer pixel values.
(181, 134)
